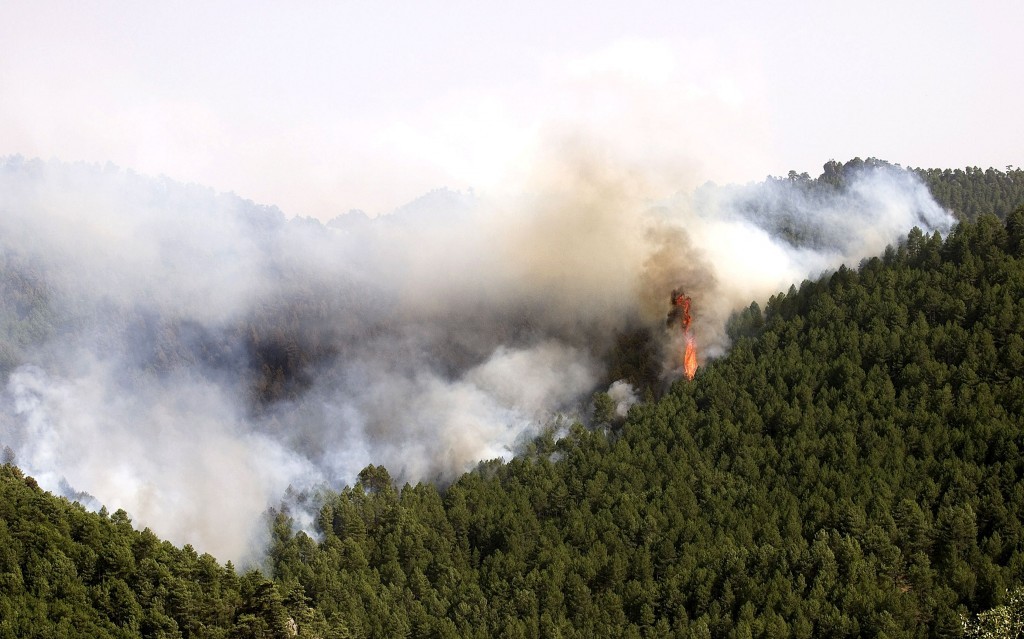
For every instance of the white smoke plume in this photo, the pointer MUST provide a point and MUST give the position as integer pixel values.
(188, 356)
(624, 396)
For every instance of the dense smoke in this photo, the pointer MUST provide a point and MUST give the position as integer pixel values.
(188, 356)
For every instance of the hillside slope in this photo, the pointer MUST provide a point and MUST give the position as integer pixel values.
(852, 468)
(66, 572)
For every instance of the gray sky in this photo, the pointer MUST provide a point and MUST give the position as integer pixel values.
(319, 107)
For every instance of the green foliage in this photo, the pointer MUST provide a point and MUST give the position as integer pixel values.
(66, 572)
(851, 468)
(972, 192)
(604, 408)
(1001, 622)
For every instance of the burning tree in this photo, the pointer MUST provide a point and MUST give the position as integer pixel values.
(680, 314)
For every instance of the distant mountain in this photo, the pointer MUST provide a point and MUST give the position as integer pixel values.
(440, 207)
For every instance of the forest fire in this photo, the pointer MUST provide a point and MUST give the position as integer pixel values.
(680, 314)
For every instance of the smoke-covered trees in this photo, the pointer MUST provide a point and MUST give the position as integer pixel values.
(969, 192)
(852, 467)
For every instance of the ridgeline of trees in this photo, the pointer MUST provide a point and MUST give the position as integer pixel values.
(969, 192)
(851, 468)
(972, 192)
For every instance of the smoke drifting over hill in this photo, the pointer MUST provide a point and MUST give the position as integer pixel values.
(188, 356)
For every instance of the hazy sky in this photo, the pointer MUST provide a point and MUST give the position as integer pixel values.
(320, 107)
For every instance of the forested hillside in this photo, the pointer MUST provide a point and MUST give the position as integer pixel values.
(973, 192)
(65, 572)
(852, 468)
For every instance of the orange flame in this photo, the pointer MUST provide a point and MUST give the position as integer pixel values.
(681, 312)
(690, 357)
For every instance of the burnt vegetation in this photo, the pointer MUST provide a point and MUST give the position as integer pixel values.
(851, 468)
